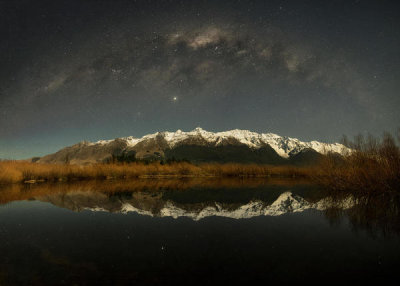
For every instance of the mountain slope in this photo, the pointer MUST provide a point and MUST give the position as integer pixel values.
(198, 145)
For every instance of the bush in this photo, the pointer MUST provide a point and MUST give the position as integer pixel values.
(373, 166)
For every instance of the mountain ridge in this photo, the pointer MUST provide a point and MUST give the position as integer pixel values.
(198, 145)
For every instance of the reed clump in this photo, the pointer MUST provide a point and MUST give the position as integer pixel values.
(18, 171)
(372, 167)
(255, 170)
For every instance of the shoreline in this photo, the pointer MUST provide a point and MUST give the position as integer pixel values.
(32, 173)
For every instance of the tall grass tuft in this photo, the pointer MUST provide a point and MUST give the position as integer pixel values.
(372, 167)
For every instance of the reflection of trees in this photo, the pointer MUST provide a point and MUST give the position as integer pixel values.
(334, 215)
(377, 214)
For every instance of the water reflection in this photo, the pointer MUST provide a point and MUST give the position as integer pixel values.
(193, 232)
(378, 214)
(201, 198)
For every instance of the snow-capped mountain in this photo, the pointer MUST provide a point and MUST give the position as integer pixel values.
(284, 146)
(197, 145)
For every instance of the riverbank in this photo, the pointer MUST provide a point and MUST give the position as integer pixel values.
(25, 172)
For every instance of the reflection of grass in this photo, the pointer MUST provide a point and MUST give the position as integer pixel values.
(18, 192)
(13, 171)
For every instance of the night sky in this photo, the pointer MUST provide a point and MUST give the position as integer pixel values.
(90, 70)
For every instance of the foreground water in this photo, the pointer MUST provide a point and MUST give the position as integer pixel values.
(185, 232)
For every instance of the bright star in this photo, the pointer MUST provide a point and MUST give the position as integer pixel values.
(175, 98)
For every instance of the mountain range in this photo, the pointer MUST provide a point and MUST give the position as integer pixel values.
(198, 145)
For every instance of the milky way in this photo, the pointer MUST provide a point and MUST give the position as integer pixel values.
(73, 71)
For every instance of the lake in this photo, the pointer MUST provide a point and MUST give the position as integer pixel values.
(195, 232)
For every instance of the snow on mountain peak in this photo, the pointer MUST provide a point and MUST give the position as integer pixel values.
(284, 146)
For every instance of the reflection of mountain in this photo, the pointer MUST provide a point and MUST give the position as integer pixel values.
(153, 204)
(375, 214)
(197, 199)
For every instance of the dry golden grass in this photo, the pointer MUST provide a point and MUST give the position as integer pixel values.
(17, 171)
(373, 167)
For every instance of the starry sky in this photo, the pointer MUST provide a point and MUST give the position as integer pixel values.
(89, 70)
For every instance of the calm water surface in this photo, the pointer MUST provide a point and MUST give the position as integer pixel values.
(193, 234)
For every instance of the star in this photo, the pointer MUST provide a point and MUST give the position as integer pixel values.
(175, 98)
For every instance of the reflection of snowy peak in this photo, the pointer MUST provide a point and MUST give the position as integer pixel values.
(157, 207)
(286, 203)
